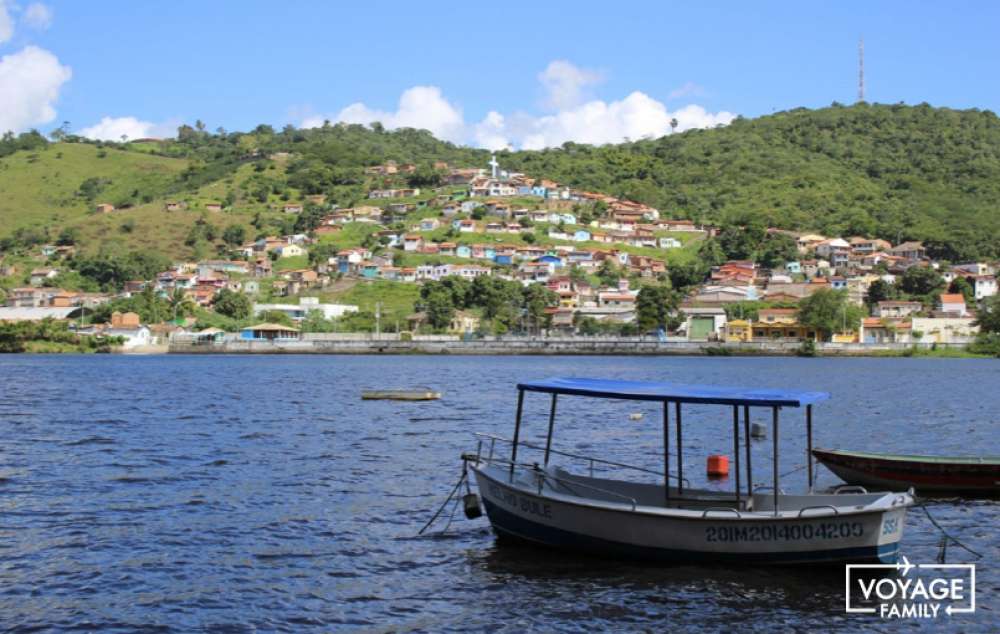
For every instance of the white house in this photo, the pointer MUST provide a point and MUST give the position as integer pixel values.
(134, 337)
(986, 286)
(290, 251)
(298, 312)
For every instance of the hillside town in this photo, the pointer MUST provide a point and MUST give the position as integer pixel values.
(593, 252)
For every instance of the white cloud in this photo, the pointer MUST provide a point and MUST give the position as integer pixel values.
(574, 118)
(565, 84)
(421, 107)
(37, 15)
(597, 122)
(6, 23)
(30, 81)
(112, 129)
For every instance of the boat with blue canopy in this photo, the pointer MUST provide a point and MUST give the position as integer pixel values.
(657, 515)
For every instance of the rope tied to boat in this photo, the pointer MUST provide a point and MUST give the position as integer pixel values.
(464, 478)
(946, 537)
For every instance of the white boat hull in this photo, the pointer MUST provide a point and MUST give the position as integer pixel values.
(516, 509)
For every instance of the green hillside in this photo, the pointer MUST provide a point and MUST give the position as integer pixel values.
(897, 172)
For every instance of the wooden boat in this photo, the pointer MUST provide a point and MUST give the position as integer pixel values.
(660, 517)
(927, 474)
(400, 395)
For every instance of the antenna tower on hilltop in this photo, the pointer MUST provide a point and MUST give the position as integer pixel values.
(861, 69)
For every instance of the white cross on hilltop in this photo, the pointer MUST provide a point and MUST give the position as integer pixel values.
(494, 165)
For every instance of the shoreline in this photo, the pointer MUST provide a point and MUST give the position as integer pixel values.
(566, 347)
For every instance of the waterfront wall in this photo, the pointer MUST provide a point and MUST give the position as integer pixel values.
(442, 344)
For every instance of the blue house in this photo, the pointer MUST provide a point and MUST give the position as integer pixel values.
(793, 267)
(463, 251)
(538, 190)
(503, 259)
(490, 253)
(554, 260)
(581, 235)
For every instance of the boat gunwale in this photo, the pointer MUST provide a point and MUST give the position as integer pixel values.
(911, 458)
(883, 505)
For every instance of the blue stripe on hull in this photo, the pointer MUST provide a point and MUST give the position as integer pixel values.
(507, 524)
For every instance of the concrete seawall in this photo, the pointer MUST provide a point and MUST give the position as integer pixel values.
(528, 346)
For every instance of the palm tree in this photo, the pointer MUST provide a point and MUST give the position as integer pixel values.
(181, 303)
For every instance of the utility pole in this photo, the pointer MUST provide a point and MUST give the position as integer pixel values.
(378, 319)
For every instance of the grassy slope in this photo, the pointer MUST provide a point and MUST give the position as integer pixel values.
(37, 189)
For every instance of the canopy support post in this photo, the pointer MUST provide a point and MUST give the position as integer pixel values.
(517, 432)
(666, 450)
(680, 450)
(746, 433)
(736, 450)
(809, 444)
(774, 420)
(552, 421)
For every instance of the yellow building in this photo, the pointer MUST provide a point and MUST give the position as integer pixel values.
(738, 331)
(771, 324)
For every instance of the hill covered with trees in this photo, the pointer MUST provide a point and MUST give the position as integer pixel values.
(891, 171)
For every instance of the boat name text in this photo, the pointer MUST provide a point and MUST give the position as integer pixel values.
(526, 505)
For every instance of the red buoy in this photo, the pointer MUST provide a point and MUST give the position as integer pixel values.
(718, 466)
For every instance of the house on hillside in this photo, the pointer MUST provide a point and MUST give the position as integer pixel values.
(909, 251)
(952, 304)
(290, 251)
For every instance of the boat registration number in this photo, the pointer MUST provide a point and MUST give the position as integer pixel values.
(794, 532)
(517, 502)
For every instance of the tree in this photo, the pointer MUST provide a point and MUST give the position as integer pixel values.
(608, 273)
(425, 176)
(879, 291)
(536, 299)
(234, 234)
(988, 318)
(828, 311)
(711, 253)
(961, 285)
(741, 242)
(181, 303)
(654, 307)
(921, 280)
(687, 275)
(776, 250)
(439, 307)
(232, 304)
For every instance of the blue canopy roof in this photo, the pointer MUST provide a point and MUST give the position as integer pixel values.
(649, 391)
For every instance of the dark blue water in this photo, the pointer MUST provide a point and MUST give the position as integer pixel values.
(260, 493)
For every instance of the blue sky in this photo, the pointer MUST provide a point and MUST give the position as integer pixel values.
(621, 69)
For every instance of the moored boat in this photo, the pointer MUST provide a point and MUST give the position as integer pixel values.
(400, 395)
(659, 517)
(969, 475)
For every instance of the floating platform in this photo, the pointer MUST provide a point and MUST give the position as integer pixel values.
(400, 395)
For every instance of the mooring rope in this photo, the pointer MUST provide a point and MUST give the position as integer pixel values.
(946, 533)
(450, 496)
